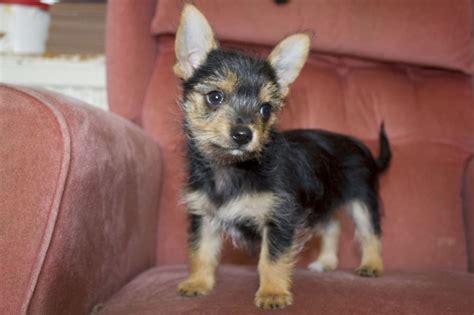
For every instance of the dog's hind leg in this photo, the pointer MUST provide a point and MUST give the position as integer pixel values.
(327, 259)
(367, 221)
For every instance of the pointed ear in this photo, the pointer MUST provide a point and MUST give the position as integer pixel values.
(288, 57)
(194, 40)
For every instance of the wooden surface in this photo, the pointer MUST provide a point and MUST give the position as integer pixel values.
(77, 28)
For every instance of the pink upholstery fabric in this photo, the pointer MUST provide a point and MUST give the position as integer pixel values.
(434, 33)
(131, 52)
(468, 197)
(428, 116)
(79, 194)
(341, 292)
(32, 154)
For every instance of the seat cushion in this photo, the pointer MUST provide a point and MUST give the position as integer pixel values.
(339, 292)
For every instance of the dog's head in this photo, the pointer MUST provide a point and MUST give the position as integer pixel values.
(230, 100)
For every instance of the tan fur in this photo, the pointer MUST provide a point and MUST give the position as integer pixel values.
(263, 129)
(269, 93)
(275, 279)
(371, 247)
(204, 259)
(207, 126)
(371, 264)
(228, 83)
(198, 203)
(225, 83)
(177, 69)
(258, 130)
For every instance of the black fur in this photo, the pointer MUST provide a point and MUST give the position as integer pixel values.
(314, 171)
(195, 223)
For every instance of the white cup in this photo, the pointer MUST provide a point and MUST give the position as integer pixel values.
(23, 29)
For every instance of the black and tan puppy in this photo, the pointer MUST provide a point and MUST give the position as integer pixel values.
(259, 185)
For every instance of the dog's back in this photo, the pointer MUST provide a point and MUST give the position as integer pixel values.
(347, 175)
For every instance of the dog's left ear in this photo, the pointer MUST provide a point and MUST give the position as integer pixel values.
(194, 41)
(288, 57)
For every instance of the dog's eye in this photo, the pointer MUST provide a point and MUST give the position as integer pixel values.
(265, 110)
(214, 98)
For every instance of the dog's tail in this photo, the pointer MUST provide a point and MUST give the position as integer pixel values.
(385, 155)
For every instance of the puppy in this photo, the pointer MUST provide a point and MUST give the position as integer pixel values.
(257, 184)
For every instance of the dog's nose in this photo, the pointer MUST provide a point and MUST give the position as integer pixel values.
(241, 135)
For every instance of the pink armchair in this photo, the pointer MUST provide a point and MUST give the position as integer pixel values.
(79, 198)
(89, 211)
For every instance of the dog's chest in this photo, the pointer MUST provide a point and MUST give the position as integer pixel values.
(222, 180)
(253, 208)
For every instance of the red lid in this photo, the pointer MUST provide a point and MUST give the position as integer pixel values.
(33, 3)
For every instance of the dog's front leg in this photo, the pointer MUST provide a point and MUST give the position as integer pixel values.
(275, 267)
(205, 241)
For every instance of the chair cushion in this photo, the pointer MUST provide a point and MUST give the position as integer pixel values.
(434, 33)
(428, 116)
(339, 292)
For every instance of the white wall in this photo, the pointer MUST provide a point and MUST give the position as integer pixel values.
(79, 76)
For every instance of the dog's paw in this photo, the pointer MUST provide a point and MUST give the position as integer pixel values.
(369, 271)
(322, 265)
(194, 287)
(273, 300)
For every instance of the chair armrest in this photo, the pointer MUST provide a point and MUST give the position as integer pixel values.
(79, 192)
(131, 51)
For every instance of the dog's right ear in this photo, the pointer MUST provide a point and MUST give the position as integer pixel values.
(194, 41)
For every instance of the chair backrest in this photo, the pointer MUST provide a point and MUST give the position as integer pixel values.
(405, 63)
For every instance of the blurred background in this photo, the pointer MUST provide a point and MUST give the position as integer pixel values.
(69, 59)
